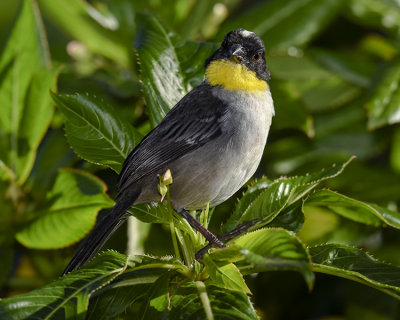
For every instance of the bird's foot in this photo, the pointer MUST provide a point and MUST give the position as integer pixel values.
(240, 229)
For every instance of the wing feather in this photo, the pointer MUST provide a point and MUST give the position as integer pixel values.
(194, 121)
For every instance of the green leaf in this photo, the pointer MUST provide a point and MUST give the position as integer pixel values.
(65, 298)
(6, 258)
(196, 19)
(139, 262)
(225, 276)
(352, 209)
(303, 74)
(332, 92)
(26, 78)
(225, 304)
(376, 13)
(265, 201)
(291, 218)
(95, 131)
(154, 212)
(267, 250)
(283, 24)
(354, 264)
(131, 290)
(85, 23)
(384, 103)
(395, 151)
(54, 153)
(35, 119)
(361, 181)
(141, 292)
(109, 272)
(192, 56)
(169, 69)
(160, 72)
(319, 225)
(76, 196)
(353, 67)
(292, 112)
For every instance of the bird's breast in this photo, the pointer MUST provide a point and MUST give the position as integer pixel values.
(235, 155)
(252, 114)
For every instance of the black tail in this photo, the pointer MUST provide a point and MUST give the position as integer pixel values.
(101, 233)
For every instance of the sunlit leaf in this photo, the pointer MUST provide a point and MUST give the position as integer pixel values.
(85, 23)
(76, 196)
(265, 201)
(168, 68)
(267, 250)
(26, 78)
(225, 276)
(384, 104)
(160, 73)
(95, 131)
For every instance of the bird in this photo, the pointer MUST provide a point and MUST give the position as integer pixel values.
(212, 142)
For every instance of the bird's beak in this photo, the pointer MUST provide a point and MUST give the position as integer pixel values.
(237, 54)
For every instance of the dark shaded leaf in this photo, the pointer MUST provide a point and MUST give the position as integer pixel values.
(353, 209)
(352, 67)
(354, 264)
(291, 218)
(284, 24)
(126, 295)
(376, 13)
(225, 304)
(65, 298)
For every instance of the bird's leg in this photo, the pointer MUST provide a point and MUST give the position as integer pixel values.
(213, 240)
(240, 229)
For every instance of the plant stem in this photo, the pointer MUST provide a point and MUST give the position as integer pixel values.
(201, 288)
(205, 222)
(188, 256)
(172, 227)
(173, 236)
(133, 234)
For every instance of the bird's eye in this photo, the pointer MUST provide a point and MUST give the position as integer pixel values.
(257, 56)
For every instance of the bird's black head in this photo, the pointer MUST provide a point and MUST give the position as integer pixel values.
(245, 48)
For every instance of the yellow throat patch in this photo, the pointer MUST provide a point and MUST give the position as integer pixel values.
(233, 76)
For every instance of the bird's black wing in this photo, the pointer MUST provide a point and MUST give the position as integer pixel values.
(194, 121)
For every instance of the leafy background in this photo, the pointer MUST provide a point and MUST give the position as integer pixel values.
(335, 69)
